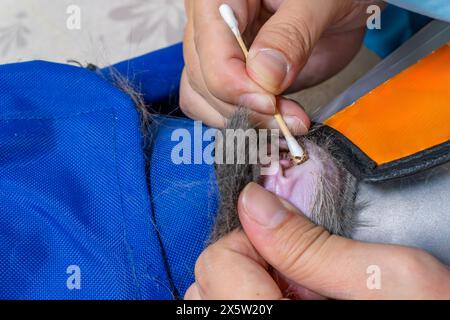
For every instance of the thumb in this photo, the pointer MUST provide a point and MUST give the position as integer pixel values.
(333, 266)
(284, 43)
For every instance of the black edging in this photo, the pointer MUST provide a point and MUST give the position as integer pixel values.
(365, 169)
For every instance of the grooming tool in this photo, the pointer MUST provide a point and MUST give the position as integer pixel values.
(298, 154)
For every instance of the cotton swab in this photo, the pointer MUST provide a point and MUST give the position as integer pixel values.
(298, 154)
(228, 15)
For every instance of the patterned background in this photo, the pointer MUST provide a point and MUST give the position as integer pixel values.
(111, 30)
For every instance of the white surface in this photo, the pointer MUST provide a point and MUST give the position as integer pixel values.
(111, 30)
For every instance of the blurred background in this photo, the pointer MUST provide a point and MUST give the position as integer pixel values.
(110, 30)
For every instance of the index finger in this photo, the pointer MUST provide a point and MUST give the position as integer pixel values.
(231, 269)
(222, 61)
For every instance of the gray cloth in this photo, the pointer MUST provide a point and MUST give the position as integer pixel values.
(413, 211)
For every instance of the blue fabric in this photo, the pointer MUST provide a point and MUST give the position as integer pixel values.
(437, 9)
(397, 26)
(73, 188)
(184, 198)
(156, 76)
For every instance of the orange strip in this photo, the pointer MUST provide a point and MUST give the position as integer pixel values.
(407, 114)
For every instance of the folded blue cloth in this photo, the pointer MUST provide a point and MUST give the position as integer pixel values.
(74, 191)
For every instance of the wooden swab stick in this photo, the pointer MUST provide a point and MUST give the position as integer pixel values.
(298, 154)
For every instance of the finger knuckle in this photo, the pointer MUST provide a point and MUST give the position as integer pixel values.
(190, 292)
(302, 247)
(198, 37)
(293, 37)
(201, 268)
(191, 70)
(186, 99)
(220, 86)
(184, 104)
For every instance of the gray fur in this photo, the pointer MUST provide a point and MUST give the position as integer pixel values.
(333, 208)
(231, 179)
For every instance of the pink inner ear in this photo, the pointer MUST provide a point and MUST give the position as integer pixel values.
(299, 184)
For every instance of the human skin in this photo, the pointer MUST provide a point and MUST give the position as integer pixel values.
(294, 44)
(281, 254)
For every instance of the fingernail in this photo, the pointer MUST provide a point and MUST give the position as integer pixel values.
(259, 102)
(270, 68)
(262, 206)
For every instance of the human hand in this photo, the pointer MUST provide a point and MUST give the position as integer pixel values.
(281, 254)
(295, 44)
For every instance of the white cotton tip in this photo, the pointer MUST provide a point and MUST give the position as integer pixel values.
(294, 147)
(228, 15)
